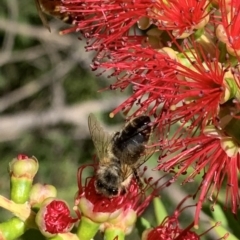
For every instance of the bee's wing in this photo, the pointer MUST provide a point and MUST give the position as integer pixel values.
(100, 138)
(42, 16)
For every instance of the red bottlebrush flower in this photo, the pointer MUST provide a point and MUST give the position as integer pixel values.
(168, 90)
(228, 30)
(105, 21)
(201, 87)
(170, 229)
(119, 211)
(54, 217)
(214, 153)
(171, 232)
(191, 92)
(149, 71)
(181, 16)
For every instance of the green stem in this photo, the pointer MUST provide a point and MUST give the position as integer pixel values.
(87, 229)
(12, 229)
(20, 189)
(114, 234)
(22, 211)
(65, 236)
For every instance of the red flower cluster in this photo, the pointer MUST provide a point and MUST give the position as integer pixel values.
(220, 159)
(118, 212)
(103, 22)
(228, 28)
(181, 16)
(170, 229)
(135, 199)
(190, 87)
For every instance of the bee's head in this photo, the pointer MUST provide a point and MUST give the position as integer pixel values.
(106, 189)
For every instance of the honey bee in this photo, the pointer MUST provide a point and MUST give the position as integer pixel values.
(51, 7)
(119, 154)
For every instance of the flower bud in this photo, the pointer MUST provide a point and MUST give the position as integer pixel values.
(39, 193)
(22, 171)
(54, 217)
(119, 227)
(230, 146)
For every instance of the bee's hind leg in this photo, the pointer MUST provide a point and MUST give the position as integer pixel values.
(138, 179)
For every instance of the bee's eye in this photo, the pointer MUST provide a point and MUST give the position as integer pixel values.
(99, 184)
(114, 191)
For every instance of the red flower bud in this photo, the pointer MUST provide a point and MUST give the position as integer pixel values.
(22, 171)
(54, 217)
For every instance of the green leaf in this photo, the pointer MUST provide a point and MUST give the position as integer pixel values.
(218, 214)
(142, 224)
(159, 210)
(221, 231)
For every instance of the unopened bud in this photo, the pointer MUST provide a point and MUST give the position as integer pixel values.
(39, 193)
(22, 171)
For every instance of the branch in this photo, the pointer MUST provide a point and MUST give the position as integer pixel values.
(12, 126)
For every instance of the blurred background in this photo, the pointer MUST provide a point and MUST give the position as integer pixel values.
(47, 91)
